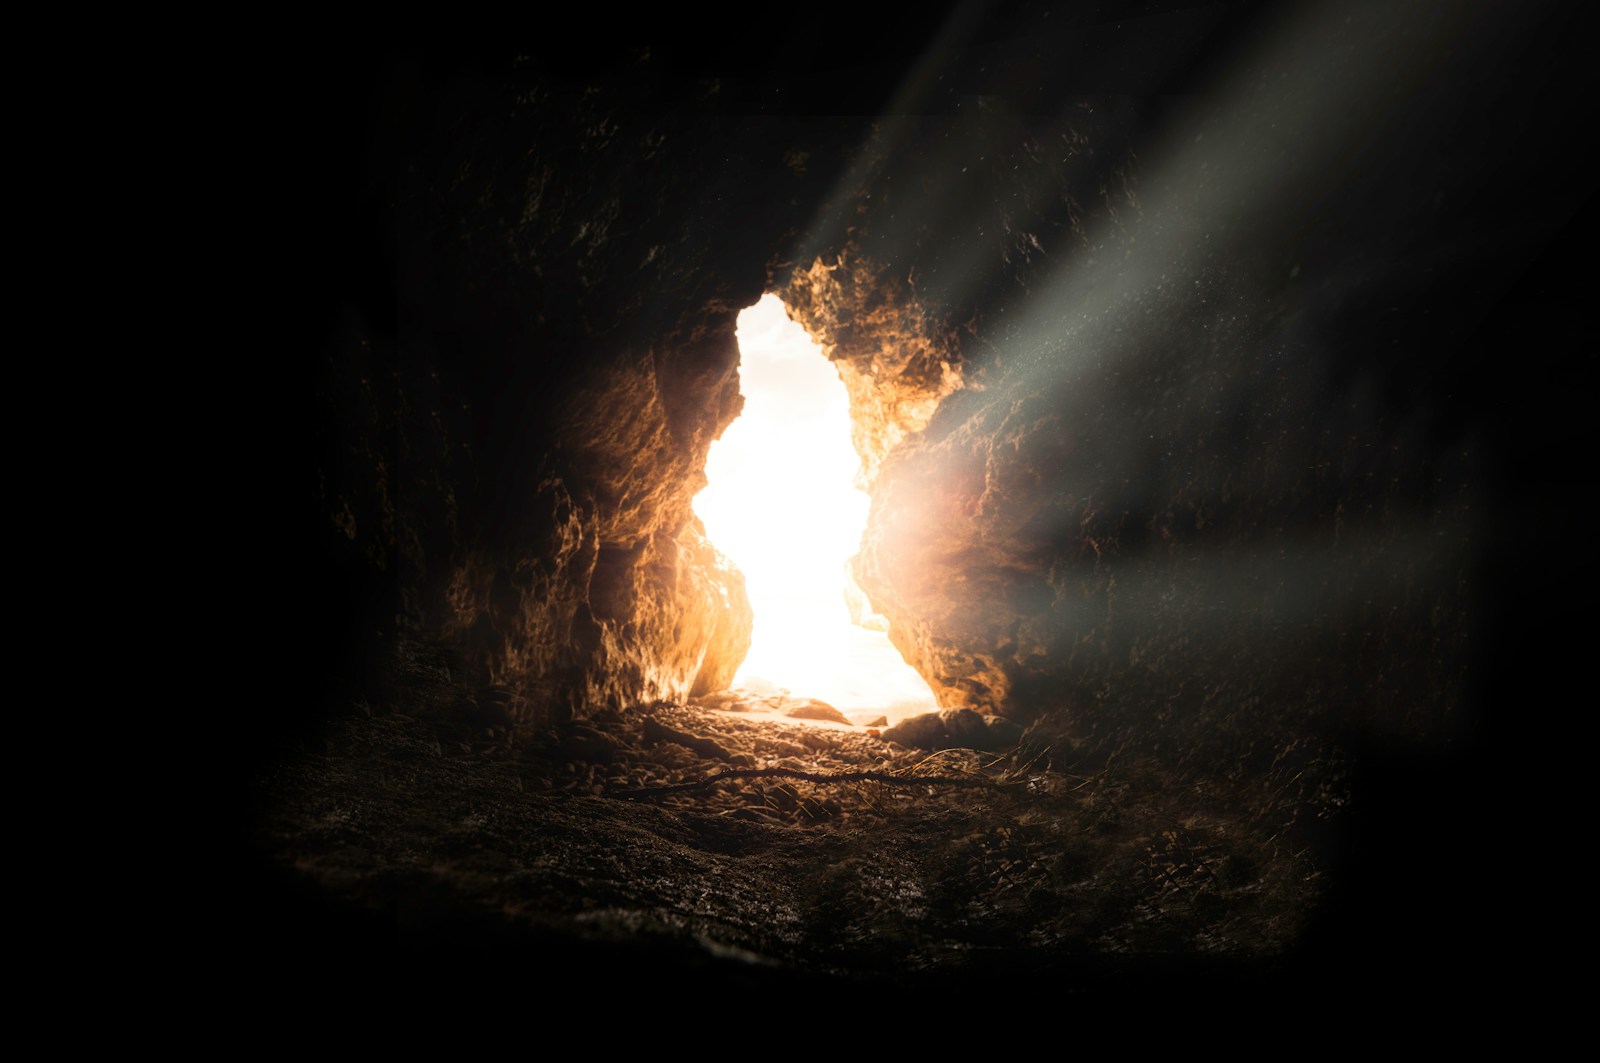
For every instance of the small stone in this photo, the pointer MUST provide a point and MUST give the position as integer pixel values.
(1004, 734)
(966, 728)
(581, 742)
(926, 731)
(656, 732)
(812, 709)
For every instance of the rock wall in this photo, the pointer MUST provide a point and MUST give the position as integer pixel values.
(1167, 448)
(514, 420)
(1154, 369)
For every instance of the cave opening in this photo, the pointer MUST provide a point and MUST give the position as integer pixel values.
(782, 501)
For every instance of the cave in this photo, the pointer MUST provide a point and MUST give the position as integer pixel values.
(1175, 341)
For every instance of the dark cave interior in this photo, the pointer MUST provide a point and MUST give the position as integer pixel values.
(1189, 352)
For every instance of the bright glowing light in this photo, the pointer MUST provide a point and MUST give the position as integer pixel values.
(781, 504)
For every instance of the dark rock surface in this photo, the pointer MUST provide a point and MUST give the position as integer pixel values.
(957, 729)
(512, 431)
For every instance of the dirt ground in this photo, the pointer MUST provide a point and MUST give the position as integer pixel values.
(736, 848)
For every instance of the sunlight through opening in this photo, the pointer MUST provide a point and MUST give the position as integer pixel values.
(781, 503)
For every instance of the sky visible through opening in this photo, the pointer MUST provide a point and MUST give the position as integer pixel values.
(781, 504)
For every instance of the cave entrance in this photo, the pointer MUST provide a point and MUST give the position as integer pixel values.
(781, 503)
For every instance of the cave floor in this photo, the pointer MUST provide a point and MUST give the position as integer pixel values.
(404, 829)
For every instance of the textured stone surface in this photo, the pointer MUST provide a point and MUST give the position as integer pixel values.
(508, 450)
(812, 709)
(956, 729)
(897, 359)
(1141, 462)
